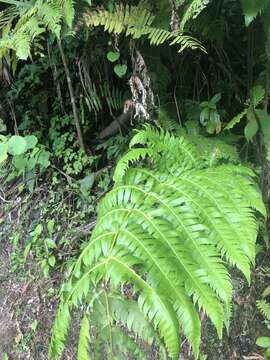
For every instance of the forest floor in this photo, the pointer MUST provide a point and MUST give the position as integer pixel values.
(28, 302)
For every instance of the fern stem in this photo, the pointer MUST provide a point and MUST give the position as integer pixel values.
(109, 324)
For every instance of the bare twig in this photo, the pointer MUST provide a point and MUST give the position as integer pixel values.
(72, 97)
(56, 78)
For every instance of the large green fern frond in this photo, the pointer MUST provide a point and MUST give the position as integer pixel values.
(169, 231)
(136, 22)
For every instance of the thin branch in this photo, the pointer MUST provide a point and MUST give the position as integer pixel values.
(55, 78)
(72, 97)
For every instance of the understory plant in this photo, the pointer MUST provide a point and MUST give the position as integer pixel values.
(166, 237)
(263, 306)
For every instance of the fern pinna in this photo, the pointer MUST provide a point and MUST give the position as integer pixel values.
(165, 232)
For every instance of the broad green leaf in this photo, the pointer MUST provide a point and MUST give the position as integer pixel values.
(43, 159)
(3, 152)
(51, 260)
(252, 126)
(20, 162)
(216, 98)
(113, 56)
(120, 70)
(16, 145)
(204, 116)
(257, 95)
(263, 341)
(264, 119)
(37, 231)
(87, 182)
(267, 354)
(31, 163)
(50, 226)
(31, 141)
(50, 243)
(214, 124)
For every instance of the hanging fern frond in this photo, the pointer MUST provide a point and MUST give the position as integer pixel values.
(113, 96)
(68, 12)
(192, 10)
(124, 18)
(136, 22)
(167, 231)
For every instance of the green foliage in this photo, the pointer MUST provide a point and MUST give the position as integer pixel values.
(252, 8)
(34, 20)
(192, 10)
(182, 211)
(65, 147)
(264, 341)
(136, 22)
(165, 231)
(264, 308)
(257, 119)
(209, 116)
(84, 339)
(27, 155)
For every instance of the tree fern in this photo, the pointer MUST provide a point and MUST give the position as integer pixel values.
(169, 231)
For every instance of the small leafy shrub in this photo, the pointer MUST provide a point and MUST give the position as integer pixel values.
(44, 249)
(159, 251)
(257, 118)
(209, 116)
(65, 147)
(25, 152)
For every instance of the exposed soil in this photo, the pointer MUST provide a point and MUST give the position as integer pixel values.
(27, 309)
(246, 323)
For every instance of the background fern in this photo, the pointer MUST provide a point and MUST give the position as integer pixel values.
(264, 308)
(165, 232)
(33, 20)
(136, 22)
(192, 10)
